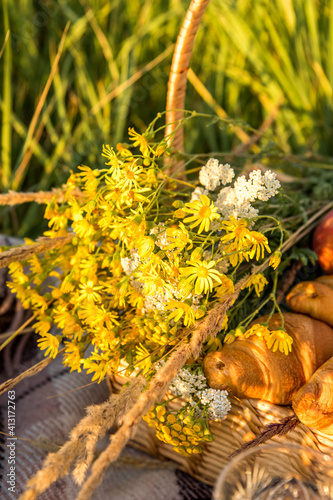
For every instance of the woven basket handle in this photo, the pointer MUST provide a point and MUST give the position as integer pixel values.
(178, 78)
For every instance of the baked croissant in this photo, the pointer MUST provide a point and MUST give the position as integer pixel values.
(326, 280)
(248, 369)
(313, 298)
(313, 403)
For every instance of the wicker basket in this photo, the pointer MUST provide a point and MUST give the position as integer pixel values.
(245, 420)
(247, 417)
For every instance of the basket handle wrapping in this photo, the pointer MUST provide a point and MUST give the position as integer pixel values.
(178, 79)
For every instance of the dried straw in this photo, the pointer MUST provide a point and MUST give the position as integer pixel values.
(9, 384)
(79, 450)
(42, 197)
(271, 430)
(209, 326)
(25, 251)
(13, 198)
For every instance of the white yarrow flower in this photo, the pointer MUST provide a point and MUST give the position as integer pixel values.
(236, 201)
(129, 264)
(193, 387)
(213, 174)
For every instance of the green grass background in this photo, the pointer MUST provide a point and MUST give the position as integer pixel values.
(251, 61)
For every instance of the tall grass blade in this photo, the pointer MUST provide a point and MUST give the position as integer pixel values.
(27, 152)
(6, 139)
(4, 43)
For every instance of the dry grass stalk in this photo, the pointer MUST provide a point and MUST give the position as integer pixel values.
(9, 384)
(271, 430)
(42, 197)
(25, 251)
(83, 439)
(209, 326)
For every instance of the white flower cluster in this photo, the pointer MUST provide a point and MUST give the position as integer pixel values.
(186, 383)
(130, 264)
(213, 173)
(155, 302)
(217, 401)
(193, 387)
(229, 202)
(236, 201)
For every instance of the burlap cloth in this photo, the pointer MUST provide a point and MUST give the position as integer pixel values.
(47, 406)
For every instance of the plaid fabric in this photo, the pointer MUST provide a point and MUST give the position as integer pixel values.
(48, 406)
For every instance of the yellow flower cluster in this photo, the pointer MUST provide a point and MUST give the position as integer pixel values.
(134, 273)
(145, 262)
(183, 432)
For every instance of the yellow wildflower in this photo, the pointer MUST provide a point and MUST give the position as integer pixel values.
(145, 246)
(140, 140)
(123, 151)
(89, 177)
(151, 176)
(178, 237)
(143, 359)
(240, 331)
(50, 343)
(203, 213)
(16, 270)
(161, 148)
(82, 228)
(72, 356)
(260, 330)
(89, 291)
(43, 326)
(197, 254)
(129, 176)
(226, 287)
(100, 364)
(275, 260)
(181, 308)
(184, 288)
(202, 274)
(112, 157)
(259, 244)
(236, 252)
(172, 419)
(103, 339)
(135, 298)
(279, 339)
(179, 214)
(229, 337)
(236, 230)
(97, 316)
(258, 281)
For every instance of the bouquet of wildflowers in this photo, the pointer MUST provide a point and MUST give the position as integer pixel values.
(145, 256)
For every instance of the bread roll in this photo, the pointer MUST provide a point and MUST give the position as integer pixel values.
(326, 280)
(312, 298)
(313, 403)
(248, 369)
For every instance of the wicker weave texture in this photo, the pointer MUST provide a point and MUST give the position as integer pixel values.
(245, 420)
